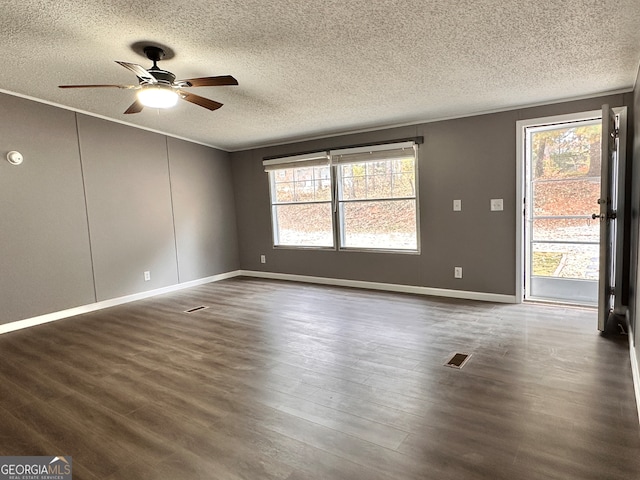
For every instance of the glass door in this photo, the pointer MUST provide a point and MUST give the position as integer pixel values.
(563, 178)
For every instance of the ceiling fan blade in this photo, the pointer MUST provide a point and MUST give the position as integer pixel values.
(210, 81)
(97, 86)
(140, 72)
(198, 100)
(135, 107)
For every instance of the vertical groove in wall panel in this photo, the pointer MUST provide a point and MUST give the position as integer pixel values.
(204, 210)
(45, 262)
(173, 210)
(86, 209)
(129, 206)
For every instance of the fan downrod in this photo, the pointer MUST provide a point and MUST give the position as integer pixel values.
(153, 53)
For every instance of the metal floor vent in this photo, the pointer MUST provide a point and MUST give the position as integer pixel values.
(458, 360)
(195, 309)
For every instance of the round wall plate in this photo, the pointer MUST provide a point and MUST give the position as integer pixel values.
(15, 158)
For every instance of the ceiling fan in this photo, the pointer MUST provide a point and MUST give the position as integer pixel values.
(159, 88)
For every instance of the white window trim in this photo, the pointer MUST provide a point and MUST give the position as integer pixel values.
(298, 161)
(332, 159)
(337, 161)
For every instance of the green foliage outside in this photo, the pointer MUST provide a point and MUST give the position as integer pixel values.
(545, 264)
(566, 152)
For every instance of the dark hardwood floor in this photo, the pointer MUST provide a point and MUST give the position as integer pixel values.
(278, 380)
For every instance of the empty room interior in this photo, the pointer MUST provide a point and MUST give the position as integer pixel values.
(320, 240)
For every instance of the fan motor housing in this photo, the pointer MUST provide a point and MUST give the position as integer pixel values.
(162, 76)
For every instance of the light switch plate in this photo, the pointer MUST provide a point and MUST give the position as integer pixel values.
(457, 205)
(496, 205)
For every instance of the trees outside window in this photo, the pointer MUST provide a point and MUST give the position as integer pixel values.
(361, 198)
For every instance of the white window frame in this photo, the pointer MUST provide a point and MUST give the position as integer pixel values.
(335, 158)
(316, 159)
(367, 154)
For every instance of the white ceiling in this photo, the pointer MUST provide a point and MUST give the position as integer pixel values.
(315, 68)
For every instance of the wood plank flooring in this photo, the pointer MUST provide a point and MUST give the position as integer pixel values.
(278, 380)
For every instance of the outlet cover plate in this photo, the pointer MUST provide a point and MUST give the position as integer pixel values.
(497, 205)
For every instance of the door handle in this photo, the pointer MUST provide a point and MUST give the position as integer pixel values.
(609, 216)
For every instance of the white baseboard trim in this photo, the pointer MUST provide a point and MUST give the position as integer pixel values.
(634, 370)
(92, 307)
(391, 287)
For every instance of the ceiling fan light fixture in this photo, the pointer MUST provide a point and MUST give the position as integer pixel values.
(158, 96)
(158, 88)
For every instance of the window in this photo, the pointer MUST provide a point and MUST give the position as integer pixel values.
(377, 198)
(301, 201)
(363, 198)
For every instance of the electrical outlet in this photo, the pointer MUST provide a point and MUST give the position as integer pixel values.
(457, 272)
(263, 259)
(147, 276)
(457, 205)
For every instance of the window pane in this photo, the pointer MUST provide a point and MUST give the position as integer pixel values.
(284, 192)
(371, 214)
(376, 180)
(303, 225)
(566, 197)
(389, 224)
(304, 191)
(284, 175)
(322, 179)
(565, 261)
(566, 152)
(567, 230)
(311, 184)
(354, 188)
(404, 184)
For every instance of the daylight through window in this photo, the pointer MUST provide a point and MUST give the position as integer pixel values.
(301, 201)
(360, 198)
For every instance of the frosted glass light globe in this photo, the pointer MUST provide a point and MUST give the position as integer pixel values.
(158, 96)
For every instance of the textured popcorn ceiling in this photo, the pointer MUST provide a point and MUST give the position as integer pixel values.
(314, 68)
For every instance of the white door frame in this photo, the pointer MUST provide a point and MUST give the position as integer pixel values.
(521, 125)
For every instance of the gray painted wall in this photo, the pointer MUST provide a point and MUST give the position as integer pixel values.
(91, 208)
(126, 176)
(472, 159)
(45, 261)
(165, 205)
(204, 210)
